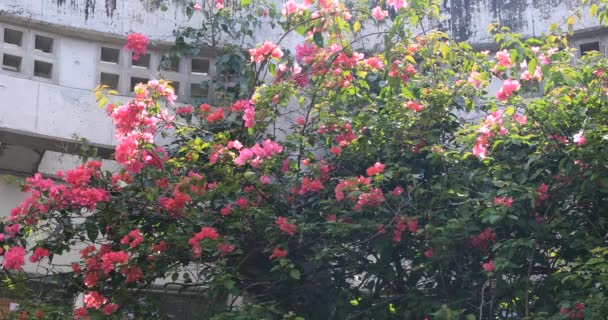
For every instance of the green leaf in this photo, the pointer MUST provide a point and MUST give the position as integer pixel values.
(593, 10)
(318, 39)
(92, 231)
(532, 66)
(229, 284)
(295, 273)
(301, 29)
(356, 26)
(245, 3)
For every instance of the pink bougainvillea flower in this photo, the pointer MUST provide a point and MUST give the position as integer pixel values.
(397, 4)
(480, 149)
(508, 87)
(504, 201)
(268, 49)
(286, 227)
(503, 58)
(429, 253)
(14, 258)
(278, 253)
(94, 300)
(520, 119)
(488, 266)
(109, 308)
(413, 105)
(579, 138)
(375, 169)
(379, 14)
(475, 79)
(138, 44)
(39, 253)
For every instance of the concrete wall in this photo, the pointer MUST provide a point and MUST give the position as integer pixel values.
(466, 19)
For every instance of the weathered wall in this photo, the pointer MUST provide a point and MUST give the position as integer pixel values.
(465, 19)
(111, 16)
(469, 19)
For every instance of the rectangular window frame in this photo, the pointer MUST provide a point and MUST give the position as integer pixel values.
(29, 55)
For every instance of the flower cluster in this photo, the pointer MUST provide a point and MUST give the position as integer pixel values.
(401, 225)
(483, 240)
(575, 312)
(256, 154)
(138, 44)
(195, 241)
(504, 201)
(133, 239)
(136, 124)
(286, 227)
(268, 49)
(492, 124)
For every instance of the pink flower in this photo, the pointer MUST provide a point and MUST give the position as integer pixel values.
(397, 191)
(397, 4)
(219, 4)
(503, 58)
(132, 274)
(305, 52)
(475, 79)
(374, 63)
(267, 49)
(39, 253)
(277, 253)
(14, 258)
(429, 253)
(504, 201)
(12, 230)
(95, 300)
(138, 44)
(480, 149)
(417, 107)
(80, 314)
(195, 241)
(109, 308)
(538, 74)
(286, 227)
(249, 115)
(508, 87)
(412, 225)
(185, 110)
(265, 179)
(579, 138)
(225, 248)
(484, 239)
(375, 169)
(520, 119)
(196, 7)
(488, 266)
(292, 7)
(134, 238)
(225, 211)
(542, 192)
(379, 14)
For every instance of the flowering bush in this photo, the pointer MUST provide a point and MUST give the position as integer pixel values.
(373, 201)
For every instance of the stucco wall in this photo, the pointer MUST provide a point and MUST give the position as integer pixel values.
(465, 19)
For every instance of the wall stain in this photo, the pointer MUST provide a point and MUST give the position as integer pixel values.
(508, 13)
(88, 6)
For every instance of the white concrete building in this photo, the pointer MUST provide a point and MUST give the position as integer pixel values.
(53, 52)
